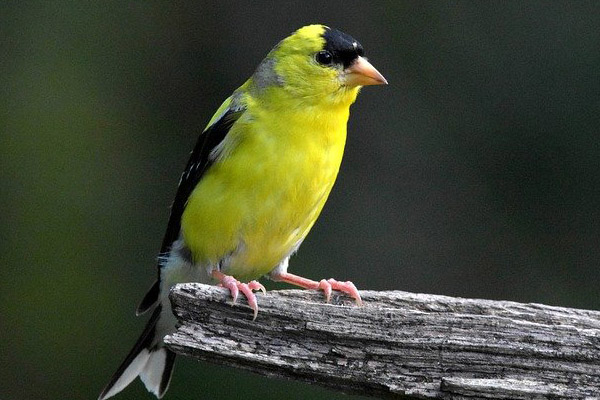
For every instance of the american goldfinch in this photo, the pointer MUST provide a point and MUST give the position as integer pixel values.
(254, 186)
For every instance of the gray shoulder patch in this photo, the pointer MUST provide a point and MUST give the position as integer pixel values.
(237, 103)
(265, 75)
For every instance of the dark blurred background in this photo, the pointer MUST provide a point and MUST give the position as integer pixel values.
(475, 173)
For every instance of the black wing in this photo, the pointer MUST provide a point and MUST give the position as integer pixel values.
(197, 165)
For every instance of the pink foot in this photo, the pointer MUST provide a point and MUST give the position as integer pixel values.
(235, 287)
(326, 285)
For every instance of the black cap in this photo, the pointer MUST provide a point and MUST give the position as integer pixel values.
(344, 48)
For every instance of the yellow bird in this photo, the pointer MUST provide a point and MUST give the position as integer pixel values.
(254, 186)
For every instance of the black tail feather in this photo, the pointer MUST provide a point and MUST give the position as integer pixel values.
(150, 299)
(146, 343)
(167, 372)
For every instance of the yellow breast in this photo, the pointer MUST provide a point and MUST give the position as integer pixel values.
(258, 202)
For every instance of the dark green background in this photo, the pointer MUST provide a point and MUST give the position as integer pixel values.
(475, 173)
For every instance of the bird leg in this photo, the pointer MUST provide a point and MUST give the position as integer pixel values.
(235, 287)
(326, 285)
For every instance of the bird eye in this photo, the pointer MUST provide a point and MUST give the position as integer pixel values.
(324, 57)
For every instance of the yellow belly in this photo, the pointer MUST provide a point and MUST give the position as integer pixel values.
(256, 205)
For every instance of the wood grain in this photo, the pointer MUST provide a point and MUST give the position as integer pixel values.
(398, 345)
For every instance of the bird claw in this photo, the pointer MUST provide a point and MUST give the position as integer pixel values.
(326, 288)
(347, 287)
(235, 287)
(255, 285)
(326, 285)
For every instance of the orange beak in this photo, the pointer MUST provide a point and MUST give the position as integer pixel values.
(362, 73)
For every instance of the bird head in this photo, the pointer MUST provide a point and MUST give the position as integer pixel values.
(316, 65)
